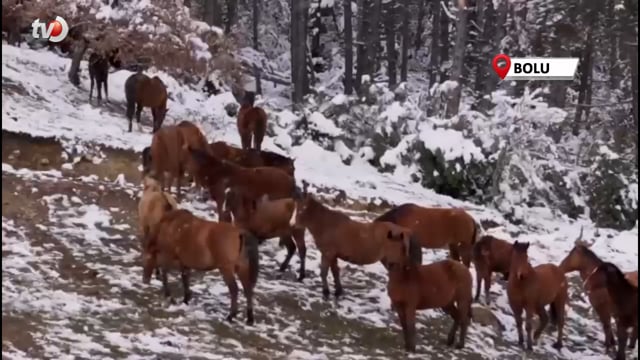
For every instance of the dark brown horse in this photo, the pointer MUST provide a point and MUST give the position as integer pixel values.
(490, 255)
(99, 70)
(142, 91)
(184, 242)
(252, 157)
(530, 289)
(585, 262)
(624, 297)
(338, 237)
(252, 124)
(268, 219)
(438, 228)
(218, 174)
(443, 284)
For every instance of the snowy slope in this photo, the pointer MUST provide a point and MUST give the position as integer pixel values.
(48, 106)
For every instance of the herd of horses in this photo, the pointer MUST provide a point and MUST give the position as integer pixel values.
(257, 198)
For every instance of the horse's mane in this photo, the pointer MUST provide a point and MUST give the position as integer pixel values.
(612, 272)
(590, 254)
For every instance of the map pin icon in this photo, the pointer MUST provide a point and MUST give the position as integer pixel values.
(501, 71)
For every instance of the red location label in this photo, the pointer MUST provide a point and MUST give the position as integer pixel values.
(501, 71)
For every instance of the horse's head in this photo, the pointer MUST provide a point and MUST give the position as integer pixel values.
(146, 160)
(519, 260)
(576, 258)
(302, 200)
(402, 250)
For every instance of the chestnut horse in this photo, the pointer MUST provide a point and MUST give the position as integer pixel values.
(194, 138)
(218, 174)
(252, 157)
(624, 296)
(166, 157)
(444, 284)
(142, 91)
(490, 255)
(99, 70)
(531, 289)
(267, 219)
(184, 242)
(338, 237)
(583, 260)
(252, 123)
(438, 227)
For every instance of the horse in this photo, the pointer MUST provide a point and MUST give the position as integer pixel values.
(167, 156)
(438, 227)
(99, 70)
(152, 206)
(184, 242)
(195, 139)
(267, 219)
(142, 91)
(146, 160)
(252, 157)
(531, 289)
(445, 284)
(624, 296)
(339, 237)
(490, 255)
(583, 260)
(218, 174)
(252, 124)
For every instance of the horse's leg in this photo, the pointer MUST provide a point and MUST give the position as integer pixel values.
(452, 311)
(179, 181)
(604, 315)
(528, 325)
(454, 252)
(622, 340)
(139, 108)
(247, 289)
(408, 322)
(288, 243)
(258, 136)
(325, 262)
(634, 336)
(165, 284)
(106, 92)
(517, 315)
(91, 88)
(479, 276)
(185, 275)
(229, 278)
(464, 319)
(544, 320)
(487, 287)
(298, 236)
(558, 307)
(465, 253)
(99, 88)
(335, 272)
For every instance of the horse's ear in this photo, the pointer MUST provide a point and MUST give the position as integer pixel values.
(526, 245)
(579, 239)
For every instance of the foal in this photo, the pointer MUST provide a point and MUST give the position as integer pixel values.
(338, 237)
(490, 255)
(623, 295)
(436, 228)
(184, 242)
(252, 123)
(443, 284)
(267, 219)
(531, 289)
(583, 260)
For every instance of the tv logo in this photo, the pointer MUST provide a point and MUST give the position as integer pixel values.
(55, 30)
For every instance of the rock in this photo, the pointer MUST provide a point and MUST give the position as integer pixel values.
(485, 317)
(231, 109)
(44, 162)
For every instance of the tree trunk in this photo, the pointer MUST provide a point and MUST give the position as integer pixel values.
(373, 38)
(186, 3)
(615, 73)
(586, 69)
(348, 48)
(434, 60)
(298, 50)
(444, 41)
(212, 13)
(232, 8)
(481, 43)
(79, 48)
(422, 10)
(390, 42)
(406, 16)
(361, 61)
(500, 33)
(256, 41)
(453, 104)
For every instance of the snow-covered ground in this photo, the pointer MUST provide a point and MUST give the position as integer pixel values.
(115, 316)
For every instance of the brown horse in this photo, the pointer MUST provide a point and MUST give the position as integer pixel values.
(252, 123)
(251, 157)
(624, 296)
(184, 242)
(531, 289)
(490, 255)
(268, 219)
(166, 157)
(411, 286)
(99, 70)
(193, 138)
(585, 262)
(218, 174)
(338, 237)
(142, 91)
(438, 227)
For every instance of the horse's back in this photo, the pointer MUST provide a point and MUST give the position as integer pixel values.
(551, 281)
(632, 277)
(193, 135)
(166, 148)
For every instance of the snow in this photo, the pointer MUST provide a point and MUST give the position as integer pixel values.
(87, 325)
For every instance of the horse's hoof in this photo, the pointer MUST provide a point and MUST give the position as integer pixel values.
(186, 299)
(325, 294)
(300, 278)
(249, 317)
(338, 293)
(632, 346)
(557, 345)
(283, 267)
(230, 317)
(449, 341)
(459, 345)
(172, 301)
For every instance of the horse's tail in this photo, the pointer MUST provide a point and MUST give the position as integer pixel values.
(553, 314)
(249, 248)
(130, 94)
